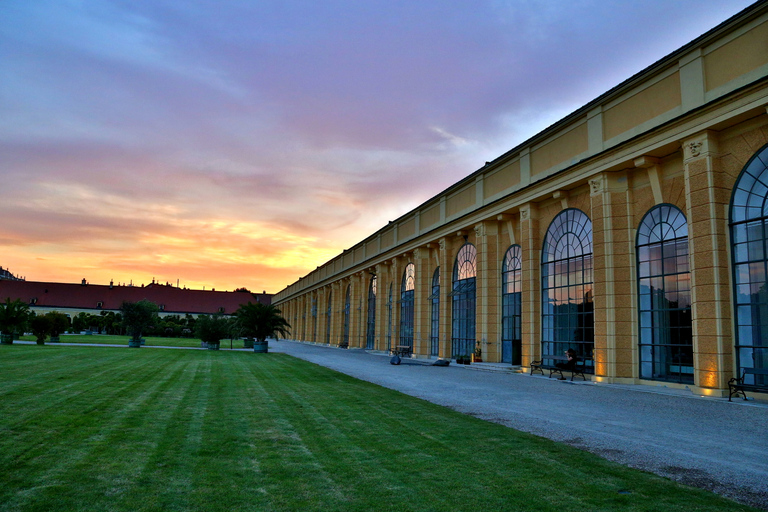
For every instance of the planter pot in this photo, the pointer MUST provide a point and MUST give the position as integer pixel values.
(134, 344)
(143, 341)
(248, 343)
(6, 339)
(41, 343)
(55, 339)
(213, 346)
(261, 347)
(203, 344)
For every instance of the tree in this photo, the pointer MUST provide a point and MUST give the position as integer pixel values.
(13, 317)
(41, 326)
(261, 321)
(138, 317)
(59, 324)
(212, 329)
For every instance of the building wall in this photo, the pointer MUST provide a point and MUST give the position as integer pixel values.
(677, 133)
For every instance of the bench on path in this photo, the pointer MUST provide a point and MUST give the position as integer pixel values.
(402, 350)
(578, 369)
(737, 385)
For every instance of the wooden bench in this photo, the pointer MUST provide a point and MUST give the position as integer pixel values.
(737, 385)
(579, 368)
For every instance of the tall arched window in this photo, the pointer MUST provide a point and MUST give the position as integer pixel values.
(664, 287)
(463, 293)
(511, 288)
(406, 305)
(328, 318)
(389, 318)
(434, 330)
(566, 286)
(371, 328)
(749, 236)
(347, 307)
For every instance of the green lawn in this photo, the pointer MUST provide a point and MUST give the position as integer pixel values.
(136, 429)
(157, 341)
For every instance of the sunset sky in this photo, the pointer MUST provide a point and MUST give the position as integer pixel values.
(243, 143)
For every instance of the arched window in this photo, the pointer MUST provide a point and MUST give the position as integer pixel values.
(328, 318)
(406, 305)
(434, 330)
(511, 300)
(463, 307)
(371, 330)
(389, 318)
(347, 307)
(664, 287)
(749, 236)
(566, 287)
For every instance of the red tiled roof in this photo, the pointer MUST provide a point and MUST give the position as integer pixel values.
(88, 296)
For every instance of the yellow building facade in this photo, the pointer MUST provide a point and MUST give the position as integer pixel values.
(632, 231)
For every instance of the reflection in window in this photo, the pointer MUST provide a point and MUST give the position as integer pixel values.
(347, 306)
(463, 307)
(406, 306)
(566, 286)
(749, 236)
(371, 328)
(666, 336)
(511, 277)
(434, 331)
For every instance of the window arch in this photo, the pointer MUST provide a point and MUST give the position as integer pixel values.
(463, 307)
(406, 305)
(749, 235)
(371, 327)
(347, 307)
(511, 300)
(566, 286)
(664, 288)
(434, 330)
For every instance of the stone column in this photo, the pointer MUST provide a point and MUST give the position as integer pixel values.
(397, 268)
(614, 283)
(422, 306)
(707, 200)
(381, 306)
(446, 274)
(488, 290)
(530, 246)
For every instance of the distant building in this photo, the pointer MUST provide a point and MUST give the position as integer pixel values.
(72, 299)
(5, 274)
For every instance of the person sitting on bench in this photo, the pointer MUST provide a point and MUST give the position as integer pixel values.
(570, 364)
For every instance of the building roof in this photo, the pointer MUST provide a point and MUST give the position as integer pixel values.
(109, 297)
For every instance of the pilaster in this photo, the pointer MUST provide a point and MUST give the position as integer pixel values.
(488, 290)
(530, 243)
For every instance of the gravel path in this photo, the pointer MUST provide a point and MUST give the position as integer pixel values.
(704, 442)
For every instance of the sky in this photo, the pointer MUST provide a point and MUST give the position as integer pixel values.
(234, 143)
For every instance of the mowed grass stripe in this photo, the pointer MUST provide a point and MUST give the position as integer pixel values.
(200, 430)
(100, 435)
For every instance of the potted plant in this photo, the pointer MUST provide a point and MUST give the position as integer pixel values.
(212, 329)
(41, 326)
(137, 317)
(477, 357)
(13, 317)
(59, 324)
(261, 321)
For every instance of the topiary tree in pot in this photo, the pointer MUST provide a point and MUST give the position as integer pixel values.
(137, 318)
(59, 324)
(13, 317)
(212, 329)
(41, 326)
(261, 321)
